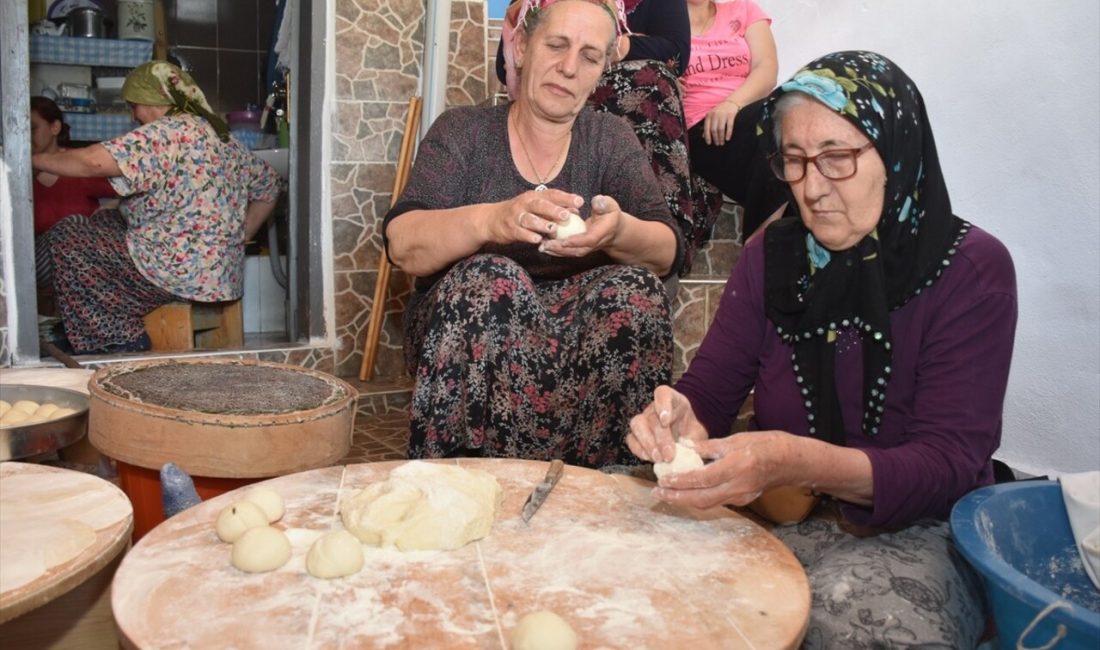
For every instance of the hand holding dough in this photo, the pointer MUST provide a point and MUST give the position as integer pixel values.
(335, 555)
(543, 630)
(234, 520)
(261, 549)
(686, 459)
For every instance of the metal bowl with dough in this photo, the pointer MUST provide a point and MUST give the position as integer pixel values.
(32, 438)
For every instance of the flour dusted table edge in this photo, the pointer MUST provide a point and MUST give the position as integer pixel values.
(109, 543)
(623, 569)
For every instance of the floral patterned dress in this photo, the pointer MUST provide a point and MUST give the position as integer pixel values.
(519, 354)
(178, 234)
(648, 95)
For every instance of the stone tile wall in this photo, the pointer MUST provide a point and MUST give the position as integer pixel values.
(379, 46)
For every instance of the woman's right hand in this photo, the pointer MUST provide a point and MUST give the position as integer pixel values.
(532, 216)
(669, 417)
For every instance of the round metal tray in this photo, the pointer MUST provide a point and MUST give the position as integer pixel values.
(25, 440)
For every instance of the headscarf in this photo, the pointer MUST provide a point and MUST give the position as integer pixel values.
(811, 293)
(517, 16)
(159, 83)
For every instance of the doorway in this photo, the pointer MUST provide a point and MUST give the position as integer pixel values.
(305, 236)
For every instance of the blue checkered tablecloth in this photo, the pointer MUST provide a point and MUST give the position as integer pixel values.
(70, 50)
(94, 127)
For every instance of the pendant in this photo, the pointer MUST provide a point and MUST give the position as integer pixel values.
(541, 187)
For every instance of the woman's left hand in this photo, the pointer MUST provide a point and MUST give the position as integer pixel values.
(718, 124)
(746, 464)
(603, 227)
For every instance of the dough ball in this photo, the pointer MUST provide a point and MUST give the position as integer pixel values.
(260, 549)
(13, 417)
(573, 226)
(543, 630)
(26, 405)
(46, 411)
(4, 407)
(268, 500)
(424, 506)
(62, 412)
(686, 459)
(234, 520)
(335, 555)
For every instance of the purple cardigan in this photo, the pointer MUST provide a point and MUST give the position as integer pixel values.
(952, 346)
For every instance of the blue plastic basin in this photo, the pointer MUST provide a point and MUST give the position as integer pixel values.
(1017, 536)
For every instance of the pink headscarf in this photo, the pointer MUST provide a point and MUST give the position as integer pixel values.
(517, 15)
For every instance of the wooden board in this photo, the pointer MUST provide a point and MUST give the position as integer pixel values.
(62, 493)
(624, 570)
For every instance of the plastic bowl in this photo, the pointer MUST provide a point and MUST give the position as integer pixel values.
(1017, 536)
(35, 438)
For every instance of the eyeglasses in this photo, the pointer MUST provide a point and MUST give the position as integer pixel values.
(834, 164)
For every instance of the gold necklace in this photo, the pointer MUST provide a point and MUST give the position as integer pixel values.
(541, 187)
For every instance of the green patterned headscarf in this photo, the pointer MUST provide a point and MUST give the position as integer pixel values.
(159, 83)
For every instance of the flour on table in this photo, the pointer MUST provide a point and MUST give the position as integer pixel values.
(424, 506)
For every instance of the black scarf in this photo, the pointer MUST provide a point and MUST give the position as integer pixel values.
(914, 240)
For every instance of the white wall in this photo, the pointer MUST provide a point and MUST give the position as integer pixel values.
(1013, 89)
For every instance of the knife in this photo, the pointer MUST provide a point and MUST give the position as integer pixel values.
(541, 491)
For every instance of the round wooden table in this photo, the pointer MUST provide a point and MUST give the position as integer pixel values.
(49, 514)
(623, 569)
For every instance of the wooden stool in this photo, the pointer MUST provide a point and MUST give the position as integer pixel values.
(185, 326)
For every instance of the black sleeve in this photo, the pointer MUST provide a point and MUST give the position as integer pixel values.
(663, 33)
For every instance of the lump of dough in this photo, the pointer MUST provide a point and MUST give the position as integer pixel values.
(268, 500)
(686, 459)
(26, 405)
(335, 555)
(573, 226)
(234, 520)
(5, 406)
(260, 549)
(14, 416)
(62, 412)
(543, 630)
(424, 506)
(46, 411)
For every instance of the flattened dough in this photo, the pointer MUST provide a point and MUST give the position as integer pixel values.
(424, 506)
(48, 520)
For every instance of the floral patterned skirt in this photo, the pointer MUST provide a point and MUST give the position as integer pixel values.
(100, 295)
(904, 589)
(509, 367)
(648, 95)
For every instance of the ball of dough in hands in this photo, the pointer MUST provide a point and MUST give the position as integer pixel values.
(234, 520)
(686, 459)
(268, 500)
(261, 549)
(335, 555)
(573, 226)
(543, 630)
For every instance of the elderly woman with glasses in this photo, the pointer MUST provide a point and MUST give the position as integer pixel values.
(875, 329)
(525, 342)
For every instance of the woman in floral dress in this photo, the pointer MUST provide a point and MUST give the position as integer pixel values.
(192, 196)
(652, 50)
(523, 345)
